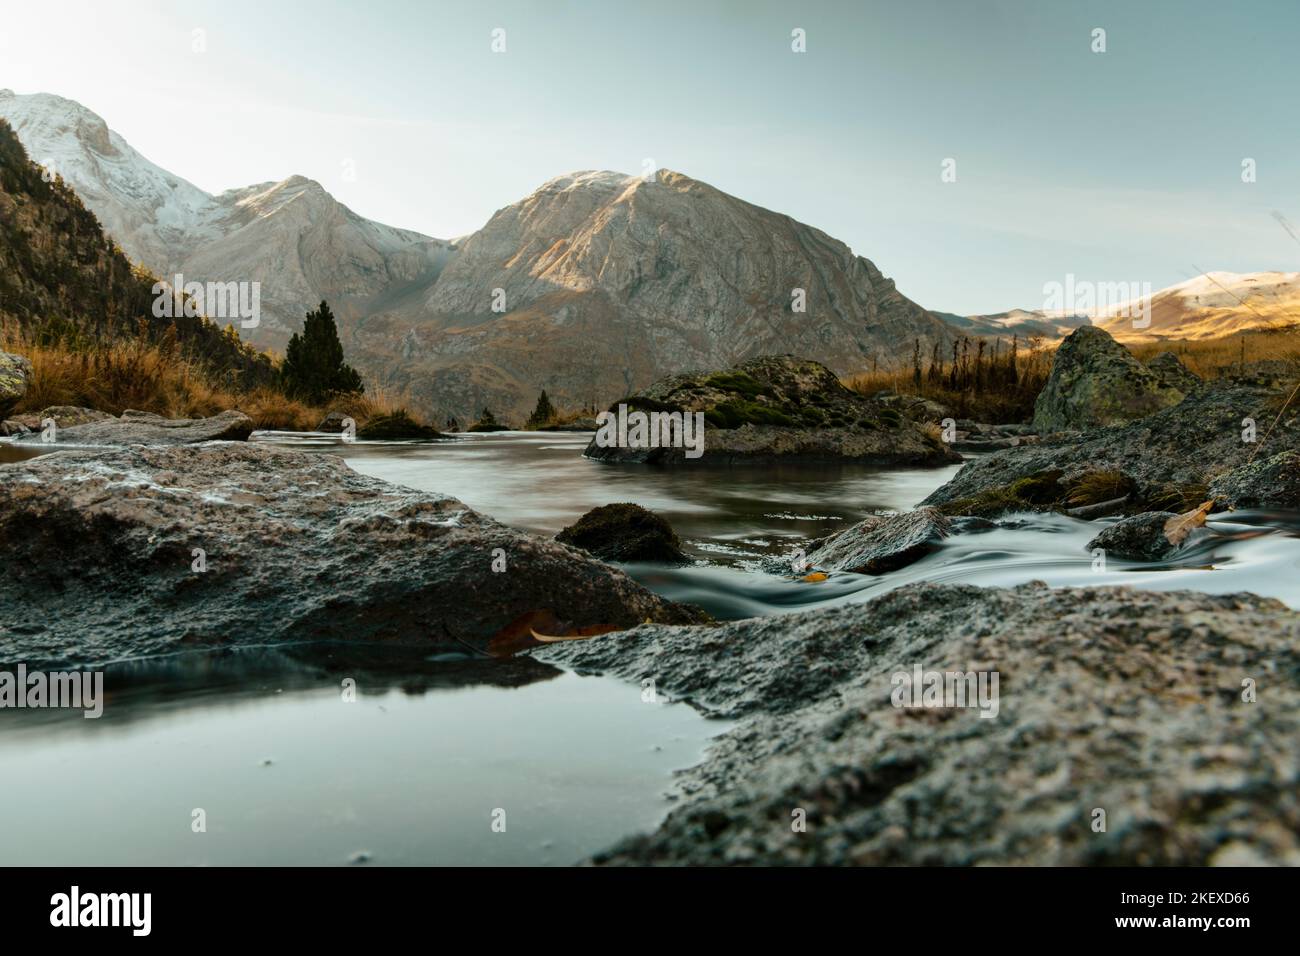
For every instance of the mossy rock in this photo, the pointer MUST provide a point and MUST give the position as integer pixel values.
(398, 426)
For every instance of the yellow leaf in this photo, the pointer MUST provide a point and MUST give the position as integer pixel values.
(815, 577)
(1180, 526)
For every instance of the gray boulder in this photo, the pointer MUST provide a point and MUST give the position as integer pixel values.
(877, 545)
(1137, 538)
(333, 422)
(1095, 382)
(1267, 483)
(66, 416)
(15, 377)
(1169, 368)
(100, 559)
(147, 428)
(1187, 445)
(624, 532)
(1129, 702)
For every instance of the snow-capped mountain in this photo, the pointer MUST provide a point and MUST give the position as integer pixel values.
(1209, 306)
(292, 237)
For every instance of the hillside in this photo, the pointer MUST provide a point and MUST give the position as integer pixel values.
(61, 276)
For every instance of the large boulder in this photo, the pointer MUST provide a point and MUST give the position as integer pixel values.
(779, 408)
(102, 559)
(15, 377)
(1095, 382)
(1268, 483)
(624, 532)
(878, 544)
(1128, 702)
(147, 428)
(1182, 448)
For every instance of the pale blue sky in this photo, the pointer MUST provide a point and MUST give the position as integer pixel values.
(1124, 165)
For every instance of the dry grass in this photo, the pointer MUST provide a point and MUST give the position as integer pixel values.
(147, 376)
(1210, 358)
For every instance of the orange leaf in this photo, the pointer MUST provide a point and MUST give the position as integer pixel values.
(1179, 527)
(518, 634)
(814, 577)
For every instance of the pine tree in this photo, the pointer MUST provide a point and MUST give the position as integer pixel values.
(543, 413)
(313, 367)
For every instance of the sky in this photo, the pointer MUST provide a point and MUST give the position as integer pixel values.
(1122, 165)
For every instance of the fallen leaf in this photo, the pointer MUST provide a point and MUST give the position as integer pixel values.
(576, 633)
(814, 577)
(518, 634)
(1179, 527)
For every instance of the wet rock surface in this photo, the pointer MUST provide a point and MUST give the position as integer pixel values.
(1094, 382)
(1138, 537)
(146, 428)
(1187, 445)
(1269, 483)
(624, 532)
(100, 557)
(398, 426)
(781, 408)
(877, 544)
(1113, 699)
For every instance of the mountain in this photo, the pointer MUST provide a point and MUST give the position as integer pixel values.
(295, 239)
(60, 275)
(609, 282)
(1211, 306)
(606, 282)
(1024, 323)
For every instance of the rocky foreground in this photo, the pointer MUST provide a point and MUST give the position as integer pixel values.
(1177, 714)
(128, 552)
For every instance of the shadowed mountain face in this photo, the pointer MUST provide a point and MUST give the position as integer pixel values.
(592, 287)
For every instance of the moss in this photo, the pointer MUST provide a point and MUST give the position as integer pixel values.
(1038, 492)
(734, 414)
(891, 417)
(739, 382)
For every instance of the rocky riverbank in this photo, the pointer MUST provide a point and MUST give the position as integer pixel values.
(127, 552)
(1175, 714)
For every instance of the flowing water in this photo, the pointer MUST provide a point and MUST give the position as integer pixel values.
(483, 762)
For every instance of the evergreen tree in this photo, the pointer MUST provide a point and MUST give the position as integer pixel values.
(313, 367)
(543, 413)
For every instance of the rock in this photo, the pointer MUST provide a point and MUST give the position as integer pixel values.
(11, 427)
(146, 428)
(624, 532)
(399, 426)
(66, 416)
(1137, 538)
(334, 423)
(297, 548)
(577, 425)
(1184, 447)
(1172, 372)
(1129, 701)
(780, 408)
(881, 544)
(1268, 483)
(15, 377)
(1095, 382)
